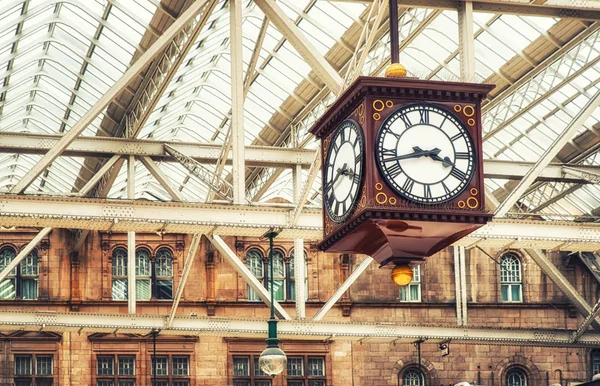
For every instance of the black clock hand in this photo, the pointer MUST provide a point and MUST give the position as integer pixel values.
(445, 161)
(418, 152)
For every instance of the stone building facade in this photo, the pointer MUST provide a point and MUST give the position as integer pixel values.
(55, 279)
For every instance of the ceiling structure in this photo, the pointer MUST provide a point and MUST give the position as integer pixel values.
(88, 87)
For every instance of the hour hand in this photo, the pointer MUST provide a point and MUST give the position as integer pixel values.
(445, 161)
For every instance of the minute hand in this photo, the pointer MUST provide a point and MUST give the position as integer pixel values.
(416, 154)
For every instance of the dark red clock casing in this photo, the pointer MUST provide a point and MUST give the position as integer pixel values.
(385, 225)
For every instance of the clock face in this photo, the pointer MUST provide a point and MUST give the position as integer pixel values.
(343, 171)
(425, 153)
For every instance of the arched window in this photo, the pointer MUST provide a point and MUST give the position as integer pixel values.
(164, 274)
(8, 286)
(595, 359)
(29, 276)
(516, 377)
(143, 275)
(412, 377)
(254, 262)
(510, 278)
(119, 274)
(292, 276)
(279, 275)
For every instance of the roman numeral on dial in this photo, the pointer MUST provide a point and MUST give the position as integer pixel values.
(408, 185)
(461, 155)
(425, 116)
(394, 170)
(459, 174)
(427, 191)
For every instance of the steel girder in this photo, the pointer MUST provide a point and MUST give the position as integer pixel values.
(262, 156)
(255, 220)
(288, 329)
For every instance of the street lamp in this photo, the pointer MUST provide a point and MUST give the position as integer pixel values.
(273, 360)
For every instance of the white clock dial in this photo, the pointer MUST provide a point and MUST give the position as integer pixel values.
(425, 153)
(343, 171)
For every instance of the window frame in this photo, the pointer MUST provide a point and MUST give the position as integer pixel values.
(150, 275)
(594, 359)
(115, 377)
(17, 276)
(34, 377)
(405, 291)
(508, 372)
(170, 378)
(511, 277)
(419, 372)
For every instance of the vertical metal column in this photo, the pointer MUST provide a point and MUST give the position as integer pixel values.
(237, 103)
(457, 280)
(299, 259)
(466, 41)
(131, 294)
(463, 283)
(394, 45)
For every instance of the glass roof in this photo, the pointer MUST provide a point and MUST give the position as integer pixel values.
(59, 57)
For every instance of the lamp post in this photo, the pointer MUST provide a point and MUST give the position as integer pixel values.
(272, 360)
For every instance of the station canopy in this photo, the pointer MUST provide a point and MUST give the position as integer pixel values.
(58, 58)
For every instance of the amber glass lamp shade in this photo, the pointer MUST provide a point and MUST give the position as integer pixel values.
(402, 275)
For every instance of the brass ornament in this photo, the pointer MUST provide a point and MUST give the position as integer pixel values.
(377, 103)
(471, 122)
(389, 104)
(469, 111)
(472, 202)
(376, 116)
(461, 204)
(457, 108)
(378, 186)
(381, 198)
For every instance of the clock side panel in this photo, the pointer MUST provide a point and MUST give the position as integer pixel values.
(329, 226)
(380, 195)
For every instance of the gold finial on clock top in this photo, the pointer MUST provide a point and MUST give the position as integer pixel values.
(395, 70)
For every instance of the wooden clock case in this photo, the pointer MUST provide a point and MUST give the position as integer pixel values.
(385, 225)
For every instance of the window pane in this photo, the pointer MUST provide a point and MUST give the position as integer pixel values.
(29, 265)
(413, 377)
(44, 382)
(8, 289)
(295, 383)
(516, 292)
(29, 289)
(295, 366)
(181, 366)
(257, 370)
(119, 262)
(161, 366)
(504, 292)
(415, 295)
(240, 367)
(316, 366)
(6, 256)
(105, 383)
(164, 289)
(160, 383)
(164, 263)
(23, 382)
(279, 289)
(262, 383)
(105, 366)
(595, 362)
(516, 377)
(126, 366)
(119, 289)
(254, 262)
(44, 365)
(22, 365)
(316, 383)
(142, 262)
(143, 289)
(128, 382)
(241, 383)
(181, 383)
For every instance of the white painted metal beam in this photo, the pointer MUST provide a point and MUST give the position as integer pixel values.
(29, 143)
(548, 155)
(256, 220)
(564, 9)
(249, 278)
(466, 41)
(161, 178)
(343, 288)
(131, 289)
(94, 180)
(587, 321)
(292, 33)
(561, 282)
(237, 102)
(24, 252)
(287, 329)
(189, 260)
(101, 104)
